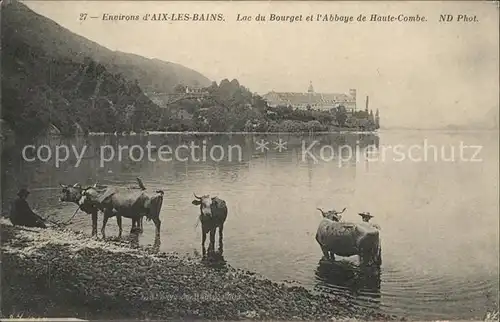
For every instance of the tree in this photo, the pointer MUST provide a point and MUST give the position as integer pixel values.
(341, 115)
(314, 126)
(212, 88)
(216, 118)
(259, 103)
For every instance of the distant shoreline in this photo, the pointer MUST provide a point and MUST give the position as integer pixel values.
(237, 133)
(201, 133)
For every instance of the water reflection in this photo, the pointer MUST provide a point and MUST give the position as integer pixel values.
(361, 282)
(134, 240)
(216, 260)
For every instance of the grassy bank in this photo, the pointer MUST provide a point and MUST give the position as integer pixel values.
(60, 273)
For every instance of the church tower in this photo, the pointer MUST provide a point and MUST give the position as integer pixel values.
(352, 94)
(310, 93)
(310, 90)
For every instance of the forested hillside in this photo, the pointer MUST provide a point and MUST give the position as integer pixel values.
(51, 76)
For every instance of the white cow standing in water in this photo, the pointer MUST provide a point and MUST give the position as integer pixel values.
(336, 237)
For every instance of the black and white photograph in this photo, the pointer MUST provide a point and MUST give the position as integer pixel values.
(249, 160)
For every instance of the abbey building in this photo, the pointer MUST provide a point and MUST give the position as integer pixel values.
(312, 100)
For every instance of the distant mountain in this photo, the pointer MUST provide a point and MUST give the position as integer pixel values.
(155, 75)
(58, 42)
(53, 79)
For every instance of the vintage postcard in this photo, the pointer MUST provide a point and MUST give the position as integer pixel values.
(250, 160)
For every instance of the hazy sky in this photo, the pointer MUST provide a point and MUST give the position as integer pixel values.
(418, 74)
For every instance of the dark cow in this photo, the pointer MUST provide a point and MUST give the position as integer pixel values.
(213, 214)
(74, 194)
(336, 237)
(126, 203)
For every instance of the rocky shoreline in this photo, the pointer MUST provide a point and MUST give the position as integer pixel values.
(61, 273)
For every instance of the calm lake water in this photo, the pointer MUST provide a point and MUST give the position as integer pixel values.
(439, 216)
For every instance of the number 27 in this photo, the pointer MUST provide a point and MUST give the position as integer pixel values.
(83, 16)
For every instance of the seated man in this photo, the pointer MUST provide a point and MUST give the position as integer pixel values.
(21, 213)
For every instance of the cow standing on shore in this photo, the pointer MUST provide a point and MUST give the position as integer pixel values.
(126, 203)
(213, 214)
(74, 195)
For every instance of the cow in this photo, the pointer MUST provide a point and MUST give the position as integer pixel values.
(128, 203)
(336, 237)
(213, 214)
(75, 193)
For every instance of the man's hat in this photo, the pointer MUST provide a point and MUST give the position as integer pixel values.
(23, 192)
(365, 215)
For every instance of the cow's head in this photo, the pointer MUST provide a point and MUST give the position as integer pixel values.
(87, 195)
(332, 214)
(76, 193)
(71, 193)
(205, 203)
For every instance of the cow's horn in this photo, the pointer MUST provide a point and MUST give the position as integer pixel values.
(196, 196)
(76, 185)
(322, 212)
(343, 210)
